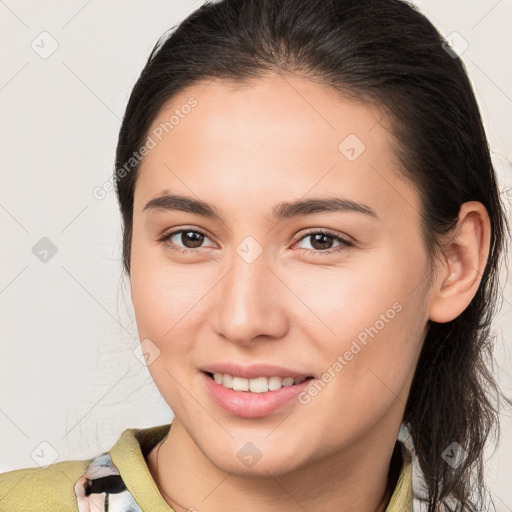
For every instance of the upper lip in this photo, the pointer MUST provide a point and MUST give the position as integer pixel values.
(254, 370)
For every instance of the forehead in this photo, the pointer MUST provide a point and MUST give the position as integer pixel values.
(268, 137)
(274, 102)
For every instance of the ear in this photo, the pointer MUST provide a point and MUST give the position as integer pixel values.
(463, 263)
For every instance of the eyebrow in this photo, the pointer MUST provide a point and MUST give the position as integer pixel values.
(285, 210)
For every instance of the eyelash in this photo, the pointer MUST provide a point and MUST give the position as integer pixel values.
(345, 244)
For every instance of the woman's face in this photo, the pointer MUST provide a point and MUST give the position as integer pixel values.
(260, 285)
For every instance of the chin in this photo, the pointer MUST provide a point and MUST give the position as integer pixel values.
(258, 465)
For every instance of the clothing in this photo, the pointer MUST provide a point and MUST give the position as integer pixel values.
(120, 481)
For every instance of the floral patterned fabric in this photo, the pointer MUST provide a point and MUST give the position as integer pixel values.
(101, 488)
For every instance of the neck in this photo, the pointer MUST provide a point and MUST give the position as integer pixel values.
(368, 484)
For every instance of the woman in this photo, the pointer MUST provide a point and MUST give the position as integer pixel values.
(312, 231)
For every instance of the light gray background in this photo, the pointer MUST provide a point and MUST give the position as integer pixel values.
(68, 374)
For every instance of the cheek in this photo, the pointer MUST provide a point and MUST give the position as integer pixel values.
(368, 371)
(165, 303)
(165, 299)
(381, 351)
(367, 326)
(378, 339)
(342, 301)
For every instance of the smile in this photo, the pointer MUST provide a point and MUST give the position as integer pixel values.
(256, 385)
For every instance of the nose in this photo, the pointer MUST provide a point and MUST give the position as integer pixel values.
(251, 301)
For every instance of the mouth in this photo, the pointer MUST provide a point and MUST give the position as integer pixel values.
(255, 385)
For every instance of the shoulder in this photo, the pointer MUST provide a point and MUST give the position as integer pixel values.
(76, 485)
(44, 488)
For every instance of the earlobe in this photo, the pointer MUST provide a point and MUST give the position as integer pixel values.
(465, 258)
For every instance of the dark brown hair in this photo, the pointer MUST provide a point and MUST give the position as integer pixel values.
(387, 53)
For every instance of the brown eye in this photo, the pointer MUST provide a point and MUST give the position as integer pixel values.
(184, 240)
(321, 242)
(193, 238)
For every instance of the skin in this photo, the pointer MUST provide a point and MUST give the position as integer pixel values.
(244, 150)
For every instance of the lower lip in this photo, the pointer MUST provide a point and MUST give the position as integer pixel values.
(252, 405)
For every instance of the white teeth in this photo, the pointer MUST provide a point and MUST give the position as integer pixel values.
(227, 381)
(257, 385)
(240, 384)
(274, 383)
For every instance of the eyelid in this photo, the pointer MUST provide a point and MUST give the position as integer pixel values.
(345, 243)
(326, 231)
(168, 234)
